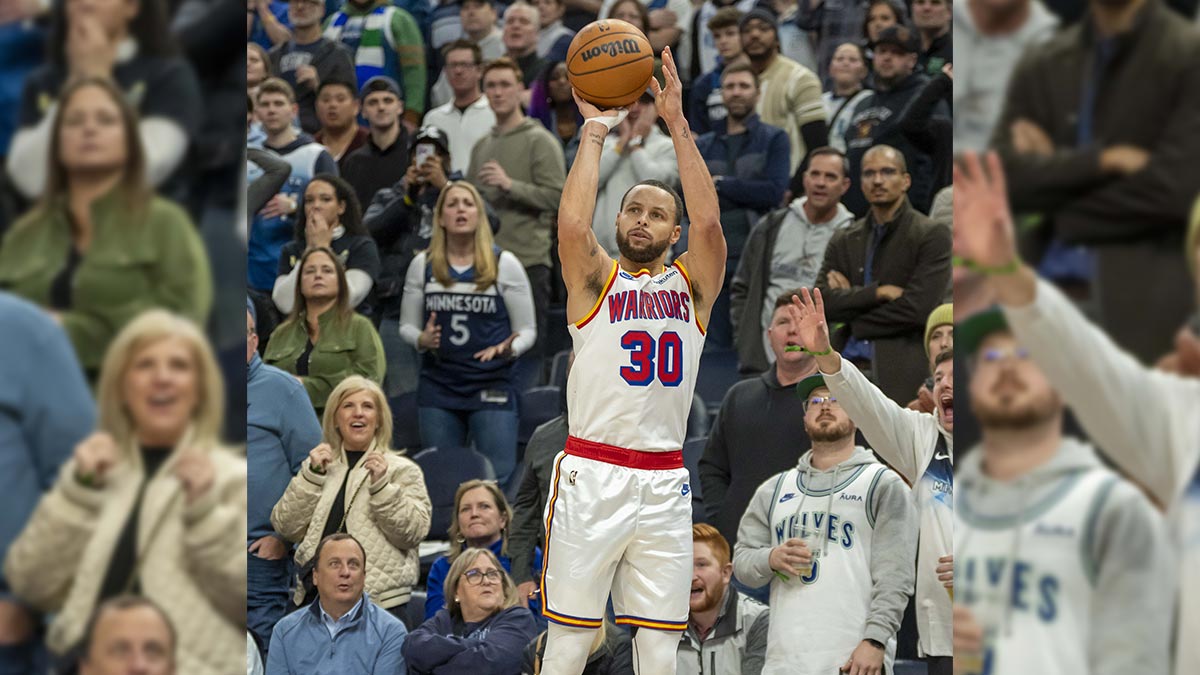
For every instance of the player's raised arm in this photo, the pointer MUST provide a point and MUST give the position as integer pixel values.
(705, 257)
(582, 257)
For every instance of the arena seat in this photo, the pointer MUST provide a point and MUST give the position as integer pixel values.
(693, 449)
(445, 469)
(538, 405)
(406, 430)
(718, 372)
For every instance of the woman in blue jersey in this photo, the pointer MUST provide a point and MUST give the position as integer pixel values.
(468, 309)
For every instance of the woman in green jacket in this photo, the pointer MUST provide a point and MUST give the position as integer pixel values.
(100, 248)
(323, 341)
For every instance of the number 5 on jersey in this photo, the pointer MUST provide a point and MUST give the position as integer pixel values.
(643, 367)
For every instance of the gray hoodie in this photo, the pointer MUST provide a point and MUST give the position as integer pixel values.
(893, 539)
(1122, 546)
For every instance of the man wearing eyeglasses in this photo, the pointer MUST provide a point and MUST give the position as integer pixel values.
(918, 446)
(883, 275)
(343, 632)
(836, 538)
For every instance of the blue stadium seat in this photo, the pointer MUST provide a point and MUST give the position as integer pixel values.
(406, 431)
(558, 337)
(692, 451)
(445, 469)
(414, 614)
(906, 667)
(538, 405)
(718, 372)
(697, 421)
(558, 369)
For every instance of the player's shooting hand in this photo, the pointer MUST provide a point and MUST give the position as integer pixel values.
(668, 98)
(789, 557)
(837, 280)
(867, 659)
(431, 337)
(945, 570)
(984, 233)
(610, 117)
(502, 350)
(808, 315)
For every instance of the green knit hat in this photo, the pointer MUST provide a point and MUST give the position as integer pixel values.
(942, 315)
(969, 334)
(1193, 238)
(805, 387)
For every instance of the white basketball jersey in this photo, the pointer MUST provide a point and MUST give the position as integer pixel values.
(636, 358)
(1029, 578)
(819, 619)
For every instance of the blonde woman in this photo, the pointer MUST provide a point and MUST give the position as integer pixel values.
(354, 482)
(468, 308)
(482, 517)
(150, 504)
(482, 629)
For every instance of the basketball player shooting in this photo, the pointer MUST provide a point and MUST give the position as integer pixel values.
(619, 511)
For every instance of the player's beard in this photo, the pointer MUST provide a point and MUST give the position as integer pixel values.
(645, 255)
(828, 434)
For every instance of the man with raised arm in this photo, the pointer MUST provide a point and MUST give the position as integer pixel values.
(619, 510)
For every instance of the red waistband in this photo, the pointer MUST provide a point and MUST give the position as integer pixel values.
(634, 459)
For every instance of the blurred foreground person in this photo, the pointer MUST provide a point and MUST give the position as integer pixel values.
(151, 504)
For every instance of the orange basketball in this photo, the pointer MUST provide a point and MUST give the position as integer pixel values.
(610, 63)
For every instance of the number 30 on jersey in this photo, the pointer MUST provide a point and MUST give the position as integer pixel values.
(649, 359)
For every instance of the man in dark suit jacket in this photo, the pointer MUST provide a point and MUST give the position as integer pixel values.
(883, 275)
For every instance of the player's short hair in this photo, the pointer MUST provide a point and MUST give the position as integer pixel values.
(740, 67)
(662, 186)
(121, 603)
(461, 44)
(703, 533)
(275, 85)
(726, 17)
(942, 357)
(502, 63)
(830, 151)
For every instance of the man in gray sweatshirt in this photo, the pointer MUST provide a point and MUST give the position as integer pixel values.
(836, 538)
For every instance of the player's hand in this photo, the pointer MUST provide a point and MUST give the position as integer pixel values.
(431, 337)
(1123, 159)
(320, 457)
(888, 292)
(502, 350)
(610, 117)
(807, 312)
(983, 224)
(269, 547)
(837, 280)
(94, 457)
(494, 175)
(867, 659)
(968, 637)
(376, 465)
(945, 570)
(317, 230)
(526, 592)
(195, 471)
(790, 556)
(280, 205)
(668, 98)
(1029, 139)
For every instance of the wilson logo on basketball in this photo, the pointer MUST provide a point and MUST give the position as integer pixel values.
(614, 48)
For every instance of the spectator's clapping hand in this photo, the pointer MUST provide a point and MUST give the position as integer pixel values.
(668, 97)
(94, 457)
(320, 457)
(807, 312)
(431, 337)
(983, 225)
(504, 349)
(195, 472)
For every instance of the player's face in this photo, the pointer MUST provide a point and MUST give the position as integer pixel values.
(1008, 391)
(739, 94)
(709, 578)
(881, 16)
(728, 42)
(132, 641)
(884, 181)
(91, 136)
(759, 39)
(930, 15)
(941, 339)
(943, 392)
(502, 90)
(783, 334)
(357, 420)
(305, 13)
(646, 225)
(825, 181)
(336, 107)
(275, 112)
(488, 596)
(318, 278)
(847, 66)
(161, 390)
(477, 17)
(520, 29)
(320, 198)
(479, 517)
(549, 11)
(460, 213)
(340, 573)
(383, 109)
(827, 421)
